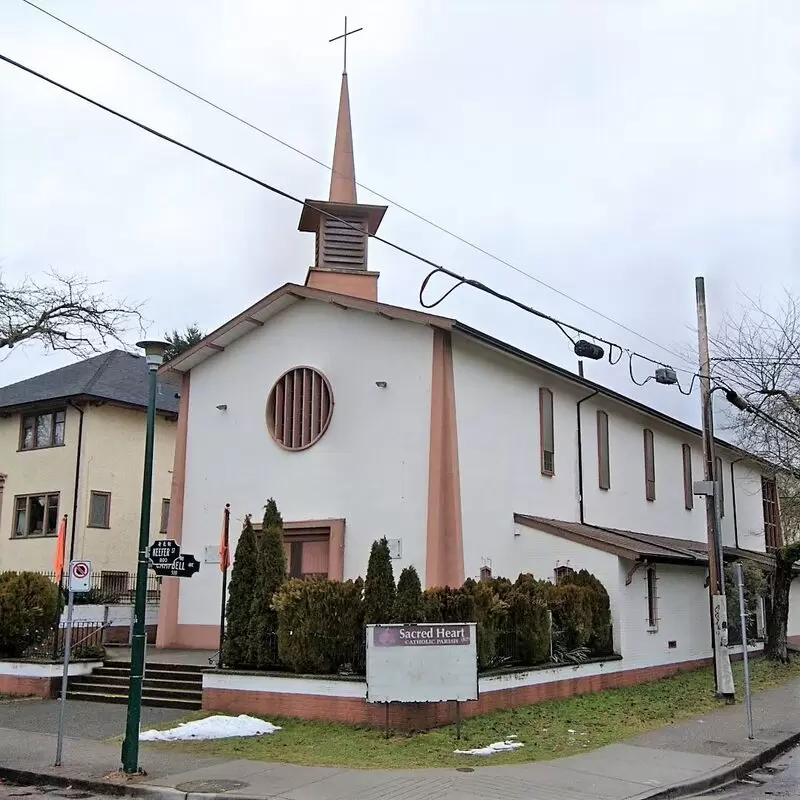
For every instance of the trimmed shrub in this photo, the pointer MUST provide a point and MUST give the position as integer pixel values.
(529, 619)
(444, 604)
(408, 602)
(490, 615)
(601, 642)
(321, 625)
(241, 593)
(379, 588)
(271, 577)
(571, 607)
(755, 586)
(29, 607)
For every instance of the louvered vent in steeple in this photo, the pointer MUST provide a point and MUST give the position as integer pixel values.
(342, 244)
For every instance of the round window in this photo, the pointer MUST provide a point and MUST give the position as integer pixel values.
(299, 408)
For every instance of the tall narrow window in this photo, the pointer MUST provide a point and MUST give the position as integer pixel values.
(649, 466)
(99, 510)
(772, 527)
(721, 484)
(546, 432)
(603, 460)
(688, 485)
(652, 599)
(164, 515)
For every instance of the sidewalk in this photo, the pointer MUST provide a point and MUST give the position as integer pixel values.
(671, 762)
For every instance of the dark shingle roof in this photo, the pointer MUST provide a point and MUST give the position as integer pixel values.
(116, 376)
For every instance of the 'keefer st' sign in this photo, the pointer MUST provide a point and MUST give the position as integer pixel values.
(167, 560)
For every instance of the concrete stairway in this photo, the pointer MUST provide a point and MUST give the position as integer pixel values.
(165, 685)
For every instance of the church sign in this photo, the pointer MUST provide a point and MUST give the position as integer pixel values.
(422, 663)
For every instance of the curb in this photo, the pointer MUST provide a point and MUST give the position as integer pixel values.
(715, 779)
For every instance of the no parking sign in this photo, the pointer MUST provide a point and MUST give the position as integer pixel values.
(80, 576)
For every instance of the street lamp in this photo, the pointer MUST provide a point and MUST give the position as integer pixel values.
(154, 353)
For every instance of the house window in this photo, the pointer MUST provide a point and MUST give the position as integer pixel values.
(99, 510)
(688, 485)
(306, 553)
(45, 429)
(35, 515)
(163, 525)
(772, 528)
(562, 572)
(649, 466)
(603, 462)
(652, 599)
(546, 432)
(299, 408)
(720, 483)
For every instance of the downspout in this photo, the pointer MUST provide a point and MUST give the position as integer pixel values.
(79, 409)
(580, 455)
(733, 502)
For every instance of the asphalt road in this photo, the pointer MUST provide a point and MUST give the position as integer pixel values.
(9, 790)
(780, 779)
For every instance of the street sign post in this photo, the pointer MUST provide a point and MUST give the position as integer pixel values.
(80, 580)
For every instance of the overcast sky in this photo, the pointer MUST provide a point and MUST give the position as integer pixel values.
(613, 150)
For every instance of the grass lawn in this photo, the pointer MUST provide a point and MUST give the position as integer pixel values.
(596, 720)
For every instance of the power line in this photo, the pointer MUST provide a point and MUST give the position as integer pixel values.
(436, 268)
(394, 203)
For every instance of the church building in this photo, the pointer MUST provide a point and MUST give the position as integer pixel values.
(366, 420)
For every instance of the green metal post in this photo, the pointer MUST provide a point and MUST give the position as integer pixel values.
(130, 747)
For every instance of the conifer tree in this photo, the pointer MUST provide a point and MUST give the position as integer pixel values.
(241, 590)
(408, 603)
(271, 577)
(379, 588)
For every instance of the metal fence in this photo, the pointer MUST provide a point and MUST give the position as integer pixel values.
(112, 588)
(87, 643)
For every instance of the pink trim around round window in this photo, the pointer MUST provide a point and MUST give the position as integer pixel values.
(299, 408)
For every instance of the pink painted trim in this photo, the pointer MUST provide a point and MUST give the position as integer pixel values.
(170, 588)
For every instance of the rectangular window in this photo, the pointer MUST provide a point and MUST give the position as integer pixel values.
(688, 484)
(546, 432)
(603, 460)
(649, 466)
(35, 515)
(99, 510)
(164, 515)
(45, 429)
(652, 599)
(772, 527)
(306, 554)
(720, 483)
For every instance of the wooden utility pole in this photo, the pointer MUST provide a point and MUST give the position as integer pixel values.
(710, 487)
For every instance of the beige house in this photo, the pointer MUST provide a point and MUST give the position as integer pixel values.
(72, 443)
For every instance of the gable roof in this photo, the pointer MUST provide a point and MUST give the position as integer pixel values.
(291, 293)
(635, 546)
(116, 377)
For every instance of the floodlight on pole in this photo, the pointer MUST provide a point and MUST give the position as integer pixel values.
(154, 354)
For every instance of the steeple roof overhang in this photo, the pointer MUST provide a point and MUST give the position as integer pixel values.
(314, 210)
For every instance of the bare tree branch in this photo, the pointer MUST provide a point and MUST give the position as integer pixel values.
(64, 312)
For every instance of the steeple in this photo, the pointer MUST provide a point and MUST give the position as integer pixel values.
(342, 225)
(343, 174)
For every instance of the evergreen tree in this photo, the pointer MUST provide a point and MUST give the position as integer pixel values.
(241, 590)
(408, 603)
(379, 588)
(271, 577)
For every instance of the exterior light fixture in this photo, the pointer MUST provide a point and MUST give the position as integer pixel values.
(222, 407)
(584, 349)
(735, 400)
(381, 384)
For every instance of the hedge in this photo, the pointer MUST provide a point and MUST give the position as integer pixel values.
(30, 604)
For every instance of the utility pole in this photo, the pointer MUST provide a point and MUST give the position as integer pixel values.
(710, 488)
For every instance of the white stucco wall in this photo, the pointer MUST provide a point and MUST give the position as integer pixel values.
(370, 467)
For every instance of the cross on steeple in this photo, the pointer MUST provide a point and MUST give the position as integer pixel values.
(343, 37)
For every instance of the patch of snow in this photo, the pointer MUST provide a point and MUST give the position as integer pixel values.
(490, 750)
(219, 726)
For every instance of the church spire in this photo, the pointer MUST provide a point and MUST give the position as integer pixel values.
(341, 224)
(343, 172)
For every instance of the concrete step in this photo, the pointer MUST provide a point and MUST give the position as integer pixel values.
(154, 683)
(159, 665)
(191, 678)
(147, 700)
(87, 686)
